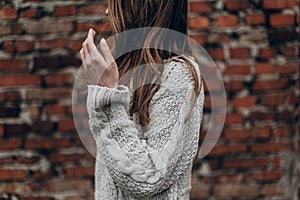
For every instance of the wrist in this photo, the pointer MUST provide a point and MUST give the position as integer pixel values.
(109, 85)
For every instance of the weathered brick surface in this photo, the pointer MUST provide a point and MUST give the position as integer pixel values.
(255, 44)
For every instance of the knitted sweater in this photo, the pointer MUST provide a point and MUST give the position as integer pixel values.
(156, 163)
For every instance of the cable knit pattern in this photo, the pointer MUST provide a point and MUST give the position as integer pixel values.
(156, 163)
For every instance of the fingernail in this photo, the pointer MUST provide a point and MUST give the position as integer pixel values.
(103, 41)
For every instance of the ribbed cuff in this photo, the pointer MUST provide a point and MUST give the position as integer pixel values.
(99, 96)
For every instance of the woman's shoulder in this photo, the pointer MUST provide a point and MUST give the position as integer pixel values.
(177, 72)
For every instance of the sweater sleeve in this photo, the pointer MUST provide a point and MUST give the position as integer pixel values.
(143, 167)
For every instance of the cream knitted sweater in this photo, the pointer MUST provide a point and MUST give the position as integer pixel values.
(156, 164)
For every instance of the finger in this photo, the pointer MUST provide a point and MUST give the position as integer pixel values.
(106, 52)
(81, 54)
(91, 47)
(85, 50)
(82, 49)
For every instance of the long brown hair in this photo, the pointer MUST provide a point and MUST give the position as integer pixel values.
(129, 14)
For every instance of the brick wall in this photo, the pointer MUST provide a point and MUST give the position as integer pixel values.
(255, 44)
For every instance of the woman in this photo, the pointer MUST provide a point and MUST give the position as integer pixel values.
(153, 162)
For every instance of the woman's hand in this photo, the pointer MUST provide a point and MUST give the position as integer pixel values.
(99, 69)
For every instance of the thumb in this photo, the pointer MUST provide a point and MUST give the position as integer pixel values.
(106, 52)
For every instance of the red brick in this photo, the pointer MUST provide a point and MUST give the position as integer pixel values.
(237, 5)
(53, 43)
(103, 27)
(217, 38)
(216, 53)
(199, 38)
(41, 175)
(262, 116)
(33, 1)
(58, 185)
(267, 175)
(5, 29)
(277, 161)
(59, 79)
(198, 192)
(13, 174)
(20, 80)
(30, 13)
(1, 130)
(240, 53)
(16, 130)
(8, 12)
(234, 86)
(41, 197)
(225, 190)
(292, 99)
(279, 4)
(289, 69)
(265, 68)
(201, 7)
(55, 109)
(234, 118)
(231, 178)
(263, 85)
(228, 149)
(260, 132)
(275, 189)
(255, 19)
(10, 29)
(243, 134)
(44, 62)
(49, 94)
(274, 99)
(6, 112)
(75, 44)
(10, 96)
(283, 131)
(79, 172)
(44, 27)
(93, 9)
(278, 20)
(227, 21)
(277, 116)
(15, 188)
(24, 46)
(10, 144)
(66, 125)
(13, 65)
(43, 127)
(47, 143)
(270, 147)
(65, 11)
(237, 70)
(239, 134)
(280, 35)
(199, 23)
(267, 53)
(289, 50)
(62, 158)
(244, 102)
(27, 160)
(35, 111)
(9, 46)
(245, 163)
